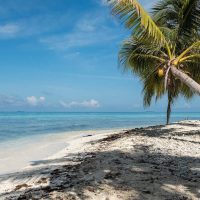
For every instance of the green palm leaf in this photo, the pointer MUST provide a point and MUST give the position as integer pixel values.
(191, 17)
(137, 19)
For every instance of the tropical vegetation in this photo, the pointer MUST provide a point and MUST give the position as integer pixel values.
(163, 48)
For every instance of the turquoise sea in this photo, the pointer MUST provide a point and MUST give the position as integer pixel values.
(18, 125)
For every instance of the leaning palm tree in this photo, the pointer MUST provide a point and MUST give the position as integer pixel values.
(154, 86)
(166, 43)
(151, 76)
(179, 20)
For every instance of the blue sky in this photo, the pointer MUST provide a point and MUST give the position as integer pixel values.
(62, 56)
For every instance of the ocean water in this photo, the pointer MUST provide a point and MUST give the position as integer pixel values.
(23, 124)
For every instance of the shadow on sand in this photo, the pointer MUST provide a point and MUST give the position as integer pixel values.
(141, 175)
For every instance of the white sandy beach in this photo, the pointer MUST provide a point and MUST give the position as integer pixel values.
(160, 162)
(18, 154)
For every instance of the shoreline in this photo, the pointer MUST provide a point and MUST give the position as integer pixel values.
(18, 154)
(141, 163)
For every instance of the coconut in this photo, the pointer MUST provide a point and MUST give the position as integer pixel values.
(160, 72)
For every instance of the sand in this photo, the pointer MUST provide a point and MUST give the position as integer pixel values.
(17, 154)
(159, 162)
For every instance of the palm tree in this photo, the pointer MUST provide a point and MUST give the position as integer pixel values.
(179, 20)
(154, 86)
(167, 44)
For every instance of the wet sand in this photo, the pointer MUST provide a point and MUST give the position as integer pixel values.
(18, 154)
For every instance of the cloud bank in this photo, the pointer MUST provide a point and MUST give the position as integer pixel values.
(84, 104)
(34, 101)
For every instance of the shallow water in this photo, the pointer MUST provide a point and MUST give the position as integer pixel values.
(22, 124)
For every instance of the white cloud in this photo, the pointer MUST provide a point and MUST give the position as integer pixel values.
(93, 76)
(90, 30)
(86, 25)
(9, 30)
(145, 3)
(106, 2)
(187, 105)
(77, 40)
(42, 99)
(72, 55)
(33, 25)
(34, 101)
(9, 100)
(84, 104)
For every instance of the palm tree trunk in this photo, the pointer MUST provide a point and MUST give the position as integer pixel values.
(193, 85)
(169, 107)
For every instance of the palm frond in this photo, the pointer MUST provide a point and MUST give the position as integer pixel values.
(153, 86)
(182, 17)
(139, 21)
(194, 46)
(140, 56)
(190, 18)
(190, 58)
(165, 13)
